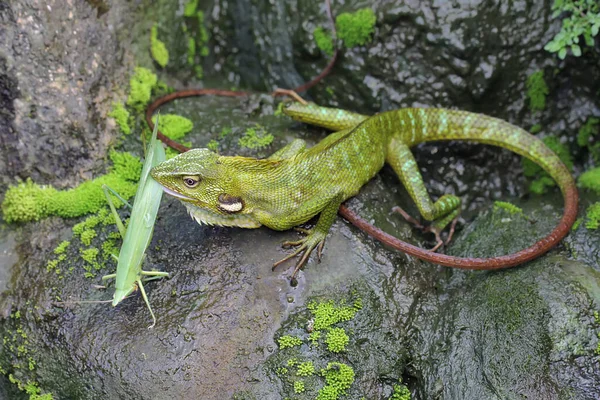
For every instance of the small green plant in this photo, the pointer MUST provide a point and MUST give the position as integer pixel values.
(336, 340)
(121, 116)
(590, 180)
(324, 41)
(355, 29)
(583, 20)
(537, 90)
(593, 216)
(288, 341)
(299, 387)
(255, 138)
(401, 392)
(511, 208)
(588, 136)
(338, 377)
(159, 51)
(306, 368)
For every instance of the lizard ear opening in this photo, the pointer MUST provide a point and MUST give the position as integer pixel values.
(230, 204)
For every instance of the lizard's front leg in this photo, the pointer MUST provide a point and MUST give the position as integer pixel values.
(443, 212)
(315, 237)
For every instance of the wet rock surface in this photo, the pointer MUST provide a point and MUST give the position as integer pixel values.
(529, 332)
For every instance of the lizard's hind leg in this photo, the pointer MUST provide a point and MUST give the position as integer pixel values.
(442, 212)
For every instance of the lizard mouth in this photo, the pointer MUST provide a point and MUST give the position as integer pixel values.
(178, 195)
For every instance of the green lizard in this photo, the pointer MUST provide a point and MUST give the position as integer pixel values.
(295, 183)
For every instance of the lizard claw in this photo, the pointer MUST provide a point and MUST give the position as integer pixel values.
(407, 217)
(306, 245)
(429, 229)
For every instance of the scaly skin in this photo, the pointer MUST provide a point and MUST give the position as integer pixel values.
(295, 183)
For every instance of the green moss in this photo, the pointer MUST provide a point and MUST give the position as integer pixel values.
(213, 145)
(27, 202)
(590, 180)
(62, 247)
(30, 202)
(191, 53)
(326, 314)
(140, 88)
(593, 216)
(336, 340)
(306, 368)
(314, 338)
(511, 208)
(324, 40)
(224, 133)
(355, 29)
(531, 169)
(288, 341)
(299, 387)
(190, 8)
(338, 377)
(87, 236)
(121, 117)
(536, 129)
(174, 126)
(589, 129)
(577, 224)
(401, 392)
(159, 51)
(537, 90)
(255, 138)
(90, 255)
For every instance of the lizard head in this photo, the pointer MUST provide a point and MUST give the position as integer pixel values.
(206, 186)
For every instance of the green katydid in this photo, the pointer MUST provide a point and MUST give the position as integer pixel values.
(136, 237)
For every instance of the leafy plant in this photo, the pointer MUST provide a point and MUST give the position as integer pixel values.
(584, 20)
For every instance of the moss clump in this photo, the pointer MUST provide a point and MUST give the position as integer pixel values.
(326, 314)
(299, 387)
(140, 88)
(121, 117)
(537, 90)
(190, 8)
(30, 202)
(593, 216)
(255, 138)
(590, 180)
(401, 392)
(213, 145)
(174, 126)
(288, 341)
(159, 51)
(324, 41)
(191, 54)
(338, 377)
(336, 340)
(355, 29)
(531, 169)
(535, 129)
(306, 368)
(589, 129)
(511, 208)
(314, 337)
(62, 247)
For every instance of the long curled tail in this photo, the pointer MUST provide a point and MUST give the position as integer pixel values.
(424, 125)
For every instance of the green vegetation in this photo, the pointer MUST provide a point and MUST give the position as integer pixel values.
(140, 88)
(355, 29)
(288, 341)
(583, 20)
(324, 41)
(299, 387)
(121, 117)
(213, 145)
(590, 180)
(174, 126)
(543, 180)
(511, 208)
(255, 138)
(28, 201)
(401, 392)
(537, 128)
(306, 369)
(537, 90)
(159, 51)
(326, 314)
(336, 340)
(593, 216)
(338, 377)
(197, 36)
(587, 135)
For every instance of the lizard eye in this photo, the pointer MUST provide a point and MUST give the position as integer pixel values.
(191, 181)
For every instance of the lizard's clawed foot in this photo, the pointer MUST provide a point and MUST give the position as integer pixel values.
(313, 239)
(433, 228)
